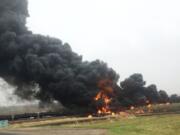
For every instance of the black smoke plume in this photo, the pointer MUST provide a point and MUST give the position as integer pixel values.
(29, 61)
(47, 69)
(134, 92)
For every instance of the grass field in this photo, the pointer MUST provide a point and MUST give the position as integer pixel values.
(150, 125)
(144, 125)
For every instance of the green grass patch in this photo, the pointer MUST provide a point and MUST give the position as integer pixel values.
(151, 125)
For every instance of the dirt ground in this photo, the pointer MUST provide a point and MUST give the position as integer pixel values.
(54, 132)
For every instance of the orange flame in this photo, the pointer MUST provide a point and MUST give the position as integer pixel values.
(106, 89)
(132, 107)
(90, 116)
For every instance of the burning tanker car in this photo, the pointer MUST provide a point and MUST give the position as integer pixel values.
(105, 95)
(45, 68)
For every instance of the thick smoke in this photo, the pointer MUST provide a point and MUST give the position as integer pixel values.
(47, 69)
(29, 61)
(134, 92)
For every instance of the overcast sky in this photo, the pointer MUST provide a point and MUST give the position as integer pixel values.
(132, 36)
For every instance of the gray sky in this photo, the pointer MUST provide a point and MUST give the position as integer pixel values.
(132, 36)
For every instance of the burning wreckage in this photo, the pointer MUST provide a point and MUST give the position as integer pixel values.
(104, 95)
(47, 69)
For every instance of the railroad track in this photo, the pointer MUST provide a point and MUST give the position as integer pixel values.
(76, 120)
(59, 121)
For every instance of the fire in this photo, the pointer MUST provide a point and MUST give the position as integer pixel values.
(132, 107)
(147, 101)
(90, 116)
(149, 106)
(113, 114)
(98, 96)
(106, 90)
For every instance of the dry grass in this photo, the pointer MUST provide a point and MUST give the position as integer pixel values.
(151, 125)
